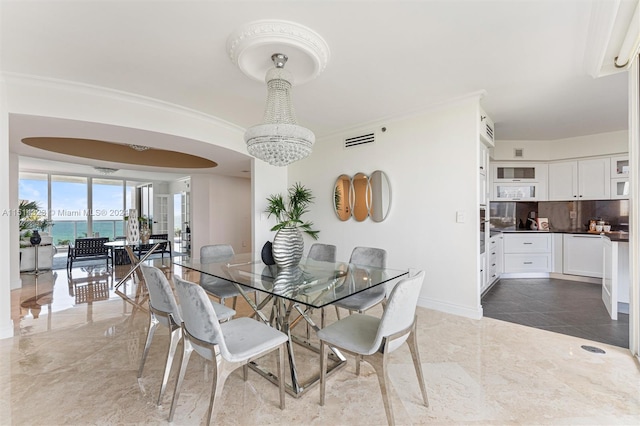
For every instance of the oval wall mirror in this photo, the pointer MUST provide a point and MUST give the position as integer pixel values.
(342, 197)
(361, 197)
(380, 196)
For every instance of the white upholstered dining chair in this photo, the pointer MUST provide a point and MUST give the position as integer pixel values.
(222, 289)
(163, 310)
(367, 299)
(229, 345)
(372, 339)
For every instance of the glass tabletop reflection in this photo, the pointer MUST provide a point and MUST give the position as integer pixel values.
(312, 283)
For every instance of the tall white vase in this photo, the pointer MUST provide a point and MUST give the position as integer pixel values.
(133, 227)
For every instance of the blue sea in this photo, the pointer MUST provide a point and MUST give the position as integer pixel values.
(65, 231)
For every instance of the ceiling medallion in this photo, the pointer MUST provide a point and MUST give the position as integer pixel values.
(251, 45)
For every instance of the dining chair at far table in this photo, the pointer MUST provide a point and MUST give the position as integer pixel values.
(367, 299)
(164, 310)
(229, 345)
(322, 252)
(222, 289)
(373, 339)
(319, 252)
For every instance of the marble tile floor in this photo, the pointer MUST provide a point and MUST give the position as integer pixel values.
(75, 364)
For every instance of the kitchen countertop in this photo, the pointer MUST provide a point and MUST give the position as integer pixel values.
(619, 236)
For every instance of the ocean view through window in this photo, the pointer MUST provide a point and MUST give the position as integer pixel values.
(79, 206)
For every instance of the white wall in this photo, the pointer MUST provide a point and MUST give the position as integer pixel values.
(559, 149)
(14, 177)
(7, 221)
(431, 161)
(266, 180)
(221, 212)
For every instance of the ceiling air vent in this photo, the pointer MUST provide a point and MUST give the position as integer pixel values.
(363, 139)
(518, 153)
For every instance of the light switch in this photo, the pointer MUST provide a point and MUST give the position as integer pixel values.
(460, 216)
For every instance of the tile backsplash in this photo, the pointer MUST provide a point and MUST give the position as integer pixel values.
(562, 215)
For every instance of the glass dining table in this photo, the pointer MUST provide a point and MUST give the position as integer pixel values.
(131, 247)
(289, 295)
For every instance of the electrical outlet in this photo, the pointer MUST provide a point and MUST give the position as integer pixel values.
(460, 216)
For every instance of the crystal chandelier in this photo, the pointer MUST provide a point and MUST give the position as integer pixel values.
(279, 140)
(139, 147)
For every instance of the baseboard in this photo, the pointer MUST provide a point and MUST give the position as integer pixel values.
(623, 308)
(7, 330)
(449, 308)
(580, 278)
(511, 275)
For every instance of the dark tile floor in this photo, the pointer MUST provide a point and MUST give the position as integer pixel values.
(567, 307)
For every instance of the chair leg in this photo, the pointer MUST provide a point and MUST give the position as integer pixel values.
(281, 351)
(153, 324)
(323, 370)
(379, 363)
(187, 348)
(337, 312)
(357, 365)
(245, 372)
(235, 301)
(214, 388)
(412, 341)
(176, 335)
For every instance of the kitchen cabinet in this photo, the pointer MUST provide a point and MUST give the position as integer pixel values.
(587, 179)
(485, 129)
(519, 172)
(527, 252)
(582, 255)
(620, 189)
(615, 277)
(483, 165)
(494, 260)
(519, 181)
(482, 276)
(620, 166)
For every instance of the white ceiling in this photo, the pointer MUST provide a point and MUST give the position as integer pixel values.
(388, 58)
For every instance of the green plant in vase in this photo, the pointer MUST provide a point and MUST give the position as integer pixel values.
(288, 244)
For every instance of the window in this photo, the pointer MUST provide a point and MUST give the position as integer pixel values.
(107, 208)
(69, 208)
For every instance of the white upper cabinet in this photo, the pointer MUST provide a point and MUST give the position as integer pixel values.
(485, 129)
(519, 181)
(620, 166)
(580, 180)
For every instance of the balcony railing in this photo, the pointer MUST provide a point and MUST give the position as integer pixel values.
(66, 231)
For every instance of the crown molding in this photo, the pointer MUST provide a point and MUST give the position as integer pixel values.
(127, 97)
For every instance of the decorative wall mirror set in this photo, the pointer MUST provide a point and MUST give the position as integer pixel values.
(362, 196)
